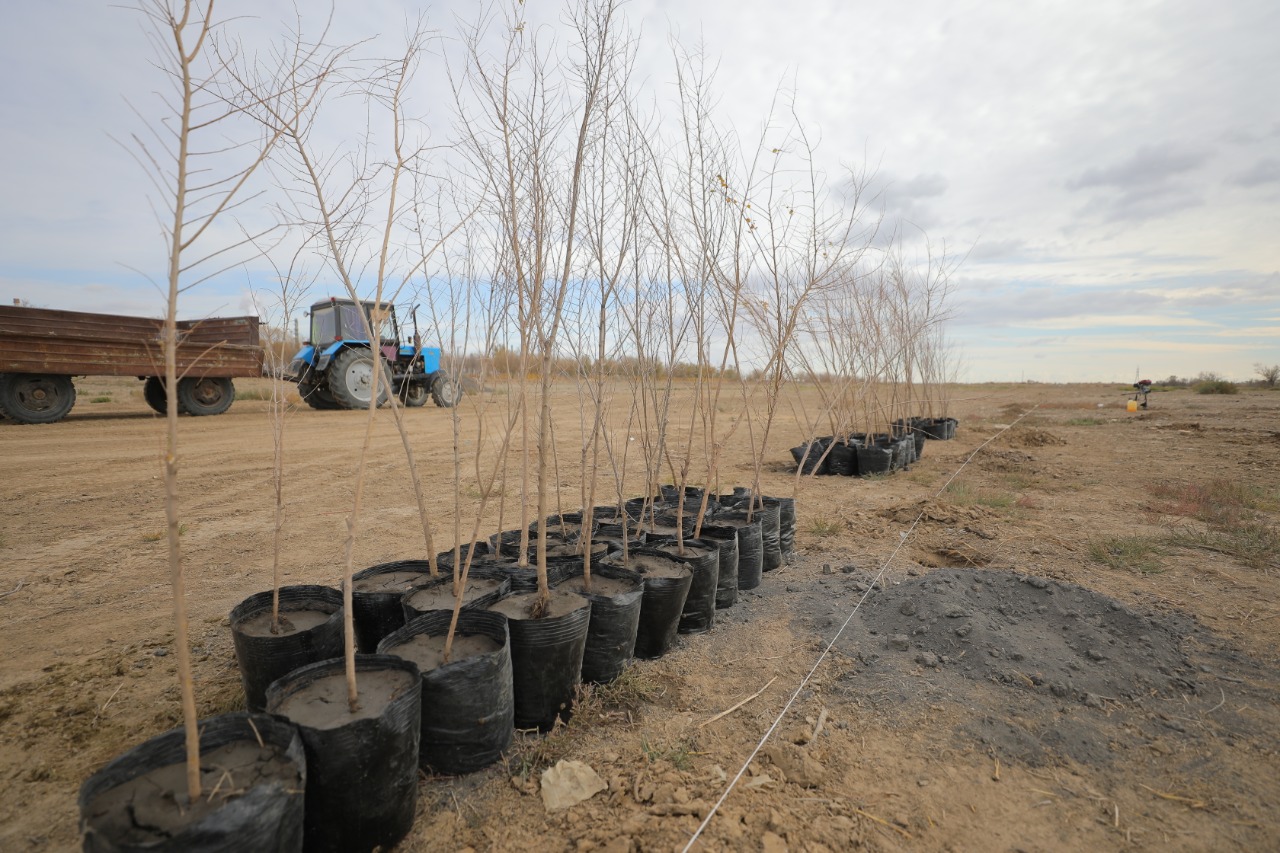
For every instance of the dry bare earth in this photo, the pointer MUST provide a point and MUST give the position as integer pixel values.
(1137, 710)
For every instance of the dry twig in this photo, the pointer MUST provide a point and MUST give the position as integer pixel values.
(883, 822)
(739, 705)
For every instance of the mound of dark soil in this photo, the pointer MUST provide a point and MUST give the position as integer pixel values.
(1032, 669)
(1029, 631)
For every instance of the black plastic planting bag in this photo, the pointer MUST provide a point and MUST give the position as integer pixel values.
(908, 445)
(940, 429)
(842, 459)
(267, 817)
(810, 456)
(615, 621)
(660, 606)
(378, 612)
(874, 460)
(770, 517)
(468, 705)
(546, 664)
(362, 775)
(786, 527)
(750, 546)
(703, 558)
(264, 658)
(478, 602)
(726, 537)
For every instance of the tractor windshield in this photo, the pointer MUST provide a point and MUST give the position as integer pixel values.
(345, 321)
(324, 325)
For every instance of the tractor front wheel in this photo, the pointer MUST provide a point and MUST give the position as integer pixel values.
(446, 391)
(211, 395)
(415, 394)
(31, 398)
(351, 378)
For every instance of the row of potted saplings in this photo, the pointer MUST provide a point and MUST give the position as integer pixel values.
(449, 705)
(860, 455)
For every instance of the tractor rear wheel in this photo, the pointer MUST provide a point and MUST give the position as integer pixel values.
(351, 378)
(211, 395)
(317, 396)
(32, 398)
(446, 391)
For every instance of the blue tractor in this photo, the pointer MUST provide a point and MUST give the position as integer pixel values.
(334, 369)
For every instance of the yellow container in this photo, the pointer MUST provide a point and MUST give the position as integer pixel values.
(1132, 406)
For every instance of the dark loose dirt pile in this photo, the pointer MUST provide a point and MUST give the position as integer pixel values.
(1049, 670)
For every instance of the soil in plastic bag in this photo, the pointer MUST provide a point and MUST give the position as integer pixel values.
(468, 704)
(482, 589)
(375, 598)
(310, 631)
(251, 777)
(666, 586)
(615, 597)
(362, 767)
(726, 537)
(546, 655)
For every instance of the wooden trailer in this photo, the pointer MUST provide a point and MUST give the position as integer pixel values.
(42, 349)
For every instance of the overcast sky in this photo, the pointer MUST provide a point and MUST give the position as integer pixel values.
(1110, 169)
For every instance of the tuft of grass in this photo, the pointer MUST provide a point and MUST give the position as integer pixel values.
(1235, 514)
(963, 494)
(1127, 553)
(253, 394)
(156, 537)
(679, 755)
(1085, 422)
(1219, 502)
(1019, 481)
(824, 527)
(531, 753)
(102, 398)
(629, 692)
(1215, 386)
(1254, 543)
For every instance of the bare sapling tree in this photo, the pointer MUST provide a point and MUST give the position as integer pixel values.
(708, 237)
(465, 306)
(530, 132)
(612, 215)
(803, 237)
(338, 200)
(292, 282)
(201, 167)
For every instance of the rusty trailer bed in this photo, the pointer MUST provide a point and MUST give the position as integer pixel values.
(74, 343)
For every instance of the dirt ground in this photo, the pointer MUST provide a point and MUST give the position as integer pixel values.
(1070, 647)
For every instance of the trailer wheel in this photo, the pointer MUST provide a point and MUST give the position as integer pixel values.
(30, 398)
(153, 391)
(211, 395)
(446, 391)
(351, 378)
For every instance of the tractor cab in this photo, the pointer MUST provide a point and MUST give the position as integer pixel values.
(344, 320)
